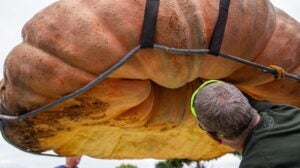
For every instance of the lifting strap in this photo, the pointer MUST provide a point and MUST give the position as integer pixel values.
(218, 33)
(149, 24)
(150, 19)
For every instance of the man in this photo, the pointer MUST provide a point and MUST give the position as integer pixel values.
(267, 135)
(71, 162)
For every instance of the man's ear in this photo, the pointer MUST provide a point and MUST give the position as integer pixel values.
(214, 137)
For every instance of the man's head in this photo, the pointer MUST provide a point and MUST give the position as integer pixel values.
(72, 162)
(223, 109)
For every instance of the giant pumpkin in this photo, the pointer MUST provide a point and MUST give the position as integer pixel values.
(141, 110)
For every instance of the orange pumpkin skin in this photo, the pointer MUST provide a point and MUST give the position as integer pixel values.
(141, 110)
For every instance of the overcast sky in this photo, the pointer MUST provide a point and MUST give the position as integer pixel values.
(13, 15)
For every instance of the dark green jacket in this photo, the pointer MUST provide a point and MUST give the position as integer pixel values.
(275, 141)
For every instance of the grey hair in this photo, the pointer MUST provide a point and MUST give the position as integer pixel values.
(222, 108)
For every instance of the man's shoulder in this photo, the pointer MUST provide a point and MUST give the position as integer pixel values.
(265, 106)
(266, 141)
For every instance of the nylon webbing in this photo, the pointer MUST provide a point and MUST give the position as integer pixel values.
(149, 24)
(218, 33)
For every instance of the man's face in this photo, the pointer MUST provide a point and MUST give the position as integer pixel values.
(214, 135)
(72, 162)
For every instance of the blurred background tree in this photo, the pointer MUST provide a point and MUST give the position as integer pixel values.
(127, 166)
(180, 163)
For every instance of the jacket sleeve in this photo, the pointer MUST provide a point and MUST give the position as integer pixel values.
(253, 158)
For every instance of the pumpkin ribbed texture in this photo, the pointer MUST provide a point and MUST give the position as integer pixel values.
(142, 109)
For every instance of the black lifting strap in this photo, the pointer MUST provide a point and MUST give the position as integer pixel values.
(218, 34)
(149, 25)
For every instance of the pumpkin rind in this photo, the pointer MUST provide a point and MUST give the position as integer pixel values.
(142, 109)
